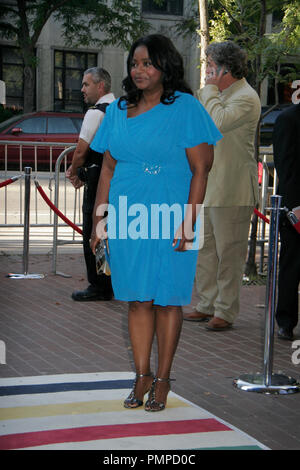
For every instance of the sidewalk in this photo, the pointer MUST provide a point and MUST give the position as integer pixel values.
(45, 332)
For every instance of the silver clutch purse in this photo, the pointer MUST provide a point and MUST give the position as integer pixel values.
(102, 266)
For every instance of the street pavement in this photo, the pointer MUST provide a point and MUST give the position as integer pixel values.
(45, 332)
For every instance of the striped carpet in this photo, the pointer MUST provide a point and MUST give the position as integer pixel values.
(85, 411)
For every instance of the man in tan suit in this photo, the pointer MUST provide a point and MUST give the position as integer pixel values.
(232, 189)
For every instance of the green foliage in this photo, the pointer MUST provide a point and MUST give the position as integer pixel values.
(243, 21)
(84, 22)
(6, 113)
(119, 21)
(287, 37)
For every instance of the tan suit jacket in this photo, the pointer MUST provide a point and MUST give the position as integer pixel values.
(233, 178)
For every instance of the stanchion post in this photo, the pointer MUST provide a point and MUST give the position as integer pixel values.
(55, 217)
(25, 275)
(27, 186)
(264, 196)
(271, 289)
(268, 382)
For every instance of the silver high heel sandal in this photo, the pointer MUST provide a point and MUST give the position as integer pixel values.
(132, 401)
(152, 404)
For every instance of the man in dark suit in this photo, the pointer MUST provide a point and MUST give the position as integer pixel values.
(286, 144)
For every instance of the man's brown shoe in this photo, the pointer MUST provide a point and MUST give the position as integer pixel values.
(218, 324)
(197, 316)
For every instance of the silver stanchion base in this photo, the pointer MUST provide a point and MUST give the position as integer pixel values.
(59, 273)
(280, 384)
(25, 276)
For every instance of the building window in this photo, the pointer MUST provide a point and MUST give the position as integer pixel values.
(167, 7)
(68, 72)
(11, 72)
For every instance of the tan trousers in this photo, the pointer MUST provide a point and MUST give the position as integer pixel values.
(221, 260)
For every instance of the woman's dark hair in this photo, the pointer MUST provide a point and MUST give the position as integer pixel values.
(229, 55)
(164, 57)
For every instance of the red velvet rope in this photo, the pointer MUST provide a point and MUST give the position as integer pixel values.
(262, 216)
(65, 219)
(9, 181)
(297, 226)
(57, 211)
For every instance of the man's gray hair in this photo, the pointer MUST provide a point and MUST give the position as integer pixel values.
(229, 55)
(100, 75)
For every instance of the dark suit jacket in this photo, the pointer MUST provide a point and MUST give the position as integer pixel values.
(286, 145)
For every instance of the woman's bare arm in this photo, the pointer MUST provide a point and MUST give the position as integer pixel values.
(200, 160)
(101, 201)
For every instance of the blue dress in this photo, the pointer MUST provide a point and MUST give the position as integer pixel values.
(147, 197)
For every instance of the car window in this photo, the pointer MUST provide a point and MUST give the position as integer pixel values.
(271, 117)
(61, 125)
(6, 124)
(77, 123)
(35, 125)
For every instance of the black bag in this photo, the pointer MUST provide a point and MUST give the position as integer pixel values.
(93, 161)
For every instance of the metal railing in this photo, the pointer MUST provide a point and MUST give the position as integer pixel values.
(56, 240)
(266, 191)
(11, 197)
(68, 200)
(269, 382)
(5, 144)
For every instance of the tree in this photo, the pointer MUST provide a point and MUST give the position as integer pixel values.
(244, 22)
(204, 38)
(118, 22)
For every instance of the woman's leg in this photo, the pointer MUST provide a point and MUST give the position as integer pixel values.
(168, 329)
(141, 325)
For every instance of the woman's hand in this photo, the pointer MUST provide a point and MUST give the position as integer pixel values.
(185, 235)
(200, 159)
(98, 234)
(94, 240)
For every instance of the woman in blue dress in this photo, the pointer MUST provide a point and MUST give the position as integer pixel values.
(158, 150)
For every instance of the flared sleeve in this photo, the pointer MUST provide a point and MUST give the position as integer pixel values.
(195, 126)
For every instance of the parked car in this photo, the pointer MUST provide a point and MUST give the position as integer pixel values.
(267, 122)
(38, 127)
